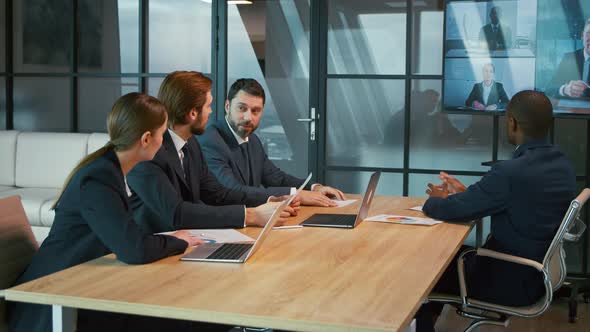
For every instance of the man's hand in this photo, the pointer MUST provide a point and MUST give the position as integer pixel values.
(260, 215)
(575, 89)
(491, 107)
(478, 106)
(186, 236)
(454, 186)
(330, 192)
(316, 198)
(295, 203)
(440, 190)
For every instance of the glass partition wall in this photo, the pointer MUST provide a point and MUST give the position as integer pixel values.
(370, 72)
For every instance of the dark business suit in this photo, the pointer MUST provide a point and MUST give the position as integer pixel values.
(93, 219)
(500, 39)
(163, 200)
(227, 161)
(526, 198)
(570, 69)
(497, 95)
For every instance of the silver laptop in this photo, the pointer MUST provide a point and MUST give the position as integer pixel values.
(347, 220)
(241, 251)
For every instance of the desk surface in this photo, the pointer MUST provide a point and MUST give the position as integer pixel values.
(371, 278)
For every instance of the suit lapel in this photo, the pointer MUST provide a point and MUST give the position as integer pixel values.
(195, 164)
(172, 155)
(580, 62)
(234, 148)
(255, 161)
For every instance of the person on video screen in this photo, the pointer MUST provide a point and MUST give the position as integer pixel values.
(495, 35)
(572, 78)
(488, 95)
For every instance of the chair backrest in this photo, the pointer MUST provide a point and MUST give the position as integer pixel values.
(554, 261)
(17, 246)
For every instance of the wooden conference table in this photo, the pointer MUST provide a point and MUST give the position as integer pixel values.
(371, 278)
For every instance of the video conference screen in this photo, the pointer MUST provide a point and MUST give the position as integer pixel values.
(493, 49)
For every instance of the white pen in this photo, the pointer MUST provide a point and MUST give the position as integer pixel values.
(287, 227)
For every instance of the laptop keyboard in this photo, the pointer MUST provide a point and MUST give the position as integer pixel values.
(331, 219)
(230, 251)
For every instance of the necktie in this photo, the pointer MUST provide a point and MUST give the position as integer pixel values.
(246, 162)
(186, 163)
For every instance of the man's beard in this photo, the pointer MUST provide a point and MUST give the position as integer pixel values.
(241, 132)
(196, 128)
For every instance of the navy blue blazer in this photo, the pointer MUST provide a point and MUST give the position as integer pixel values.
(162, 199)
(527, 198)
(224, 157)
(93, 219)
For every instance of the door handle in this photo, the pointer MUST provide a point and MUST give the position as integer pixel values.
(311, 121)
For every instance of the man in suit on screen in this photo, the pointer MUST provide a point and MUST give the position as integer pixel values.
(489, 95)
(572, 78)
(495, 35)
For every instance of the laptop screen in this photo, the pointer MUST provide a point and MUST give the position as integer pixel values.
(368, 198)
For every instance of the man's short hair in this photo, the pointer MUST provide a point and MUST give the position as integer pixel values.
(181, 91)
(533, 112)
(491, 65)
(586, 24)
(249, 86)
(497, 9)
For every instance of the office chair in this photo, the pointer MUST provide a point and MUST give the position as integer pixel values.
(553, 270)
(18, 247)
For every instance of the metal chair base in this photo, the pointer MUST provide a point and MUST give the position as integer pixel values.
(483, 318)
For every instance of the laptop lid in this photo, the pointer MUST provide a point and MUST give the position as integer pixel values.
(274, 218)
(367, 198)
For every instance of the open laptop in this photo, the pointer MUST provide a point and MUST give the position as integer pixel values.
(346, 220)
(241, 251)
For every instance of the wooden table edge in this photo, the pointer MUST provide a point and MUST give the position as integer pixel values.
(185, 314)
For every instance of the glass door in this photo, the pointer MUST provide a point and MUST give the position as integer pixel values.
(270, 42)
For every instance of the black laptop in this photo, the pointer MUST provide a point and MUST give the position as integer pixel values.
(346, 220)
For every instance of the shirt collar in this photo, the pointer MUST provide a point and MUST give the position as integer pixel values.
(179, 143)
(236, 136)
(586, 56)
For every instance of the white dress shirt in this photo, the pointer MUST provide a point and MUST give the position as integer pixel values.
(179, 143)
(486, 91)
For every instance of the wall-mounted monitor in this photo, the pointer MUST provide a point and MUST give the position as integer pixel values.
(493, 49)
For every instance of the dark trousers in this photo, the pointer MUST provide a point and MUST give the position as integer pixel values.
(487, 280)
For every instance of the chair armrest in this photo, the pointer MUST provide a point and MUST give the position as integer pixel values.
(510, 258)
(583, 196)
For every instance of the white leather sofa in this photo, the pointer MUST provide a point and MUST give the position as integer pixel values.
(35, 166)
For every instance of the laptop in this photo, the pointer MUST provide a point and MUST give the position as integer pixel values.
(346, 220)
(238, 252)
